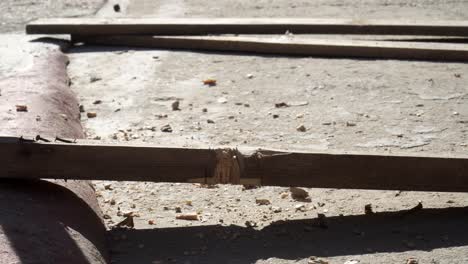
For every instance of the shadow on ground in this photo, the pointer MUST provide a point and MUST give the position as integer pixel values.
(425, 230)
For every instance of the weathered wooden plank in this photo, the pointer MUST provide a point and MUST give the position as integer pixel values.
(19, 159)
(291, 47)
(203, 26)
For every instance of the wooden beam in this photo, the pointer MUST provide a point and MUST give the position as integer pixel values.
(88, 161)
(291, 47)
(203, 26)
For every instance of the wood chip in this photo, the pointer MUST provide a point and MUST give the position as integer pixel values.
(21, 108)
(188, 217)
(91, 114)
(209, 82)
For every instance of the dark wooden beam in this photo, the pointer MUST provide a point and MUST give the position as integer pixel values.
(91, 161)
(203, 26)
(293, 47)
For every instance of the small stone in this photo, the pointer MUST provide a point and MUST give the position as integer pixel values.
(127, 222)
(150, 222)
(368, 209)
(262, 201)
(250, 224)
(94, 79)
(315, 260)
(222, 100)
(299, 116)
(204, 110)
(301, 128)
(281, 105)
(97, 102)
(106, 216)
(412, 261)
(117, 8)
(188, 203)
(21, 108)
(82, 109)
(352, 261)
(457, 75)
(284, 195)
(91, 114)
(300, 207)
(166, 129)
(298, 193)
(112, 202)
(108, 186)
(178, 209)
(350, 124)
(209, 121)
(276, 209)
(249, 76)
(176, 106)
(275, 116)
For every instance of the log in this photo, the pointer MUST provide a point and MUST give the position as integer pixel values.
(337, 48)
(203, 26)
(87, 161)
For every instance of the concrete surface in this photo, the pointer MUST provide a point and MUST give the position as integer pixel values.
(367, 105)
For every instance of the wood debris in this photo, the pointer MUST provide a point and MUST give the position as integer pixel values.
(188, 217)
(21, 108)
(91, 114)
(209, 82)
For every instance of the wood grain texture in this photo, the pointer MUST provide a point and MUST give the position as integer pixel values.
(20, 159)
(293, 47)
(203, 26)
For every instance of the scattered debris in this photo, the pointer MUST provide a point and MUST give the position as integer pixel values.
(21, 108)
(209, 82)
(188, 217)
(91, 114)
(315, 260)
(176, 106)
(301, 128)
(166, 128)
(299, 194)
(368, 209)
(262, 201)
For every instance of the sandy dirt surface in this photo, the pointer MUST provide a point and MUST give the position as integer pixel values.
(383, 106)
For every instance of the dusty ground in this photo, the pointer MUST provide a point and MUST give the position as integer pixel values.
(367, 105)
